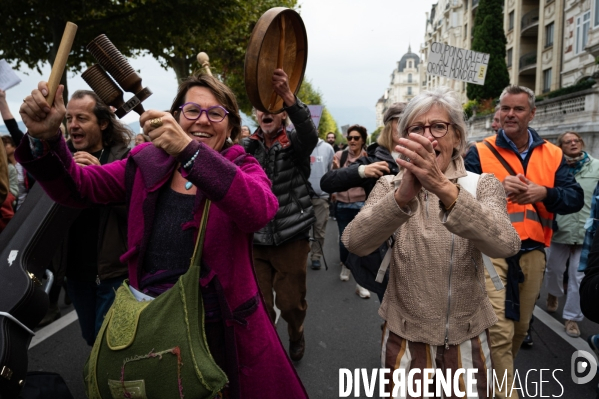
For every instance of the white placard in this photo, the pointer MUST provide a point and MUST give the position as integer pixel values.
(315, 113)
(457, 63)
(8, 78)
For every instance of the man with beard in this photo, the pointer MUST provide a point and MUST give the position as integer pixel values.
(331, 140)
(281, 248)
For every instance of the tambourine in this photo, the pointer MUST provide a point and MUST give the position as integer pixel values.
(279, 40)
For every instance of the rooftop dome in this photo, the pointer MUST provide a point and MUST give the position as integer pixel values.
(404, 60)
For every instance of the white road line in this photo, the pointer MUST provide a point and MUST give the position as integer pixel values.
(559, 329)
(53, 328)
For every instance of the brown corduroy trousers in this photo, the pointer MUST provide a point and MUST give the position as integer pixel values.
(283, 269)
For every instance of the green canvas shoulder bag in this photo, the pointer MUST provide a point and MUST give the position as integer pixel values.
(157, 348)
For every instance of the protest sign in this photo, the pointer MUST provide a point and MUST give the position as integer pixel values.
(8, 78)
(457, 63)
(315, 113)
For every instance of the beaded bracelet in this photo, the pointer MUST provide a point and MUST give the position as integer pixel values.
(189, 163)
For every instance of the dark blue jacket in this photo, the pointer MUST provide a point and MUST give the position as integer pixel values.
(566, 196)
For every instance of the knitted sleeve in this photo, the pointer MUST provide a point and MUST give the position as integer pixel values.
(484, 220)
(377, 220)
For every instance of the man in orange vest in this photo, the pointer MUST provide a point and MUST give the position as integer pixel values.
(538, 185)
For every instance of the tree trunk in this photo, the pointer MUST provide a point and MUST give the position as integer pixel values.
(181, 66)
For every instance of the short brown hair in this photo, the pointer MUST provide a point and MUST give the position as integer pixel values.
(221, 92)
(513, 89)
(360, 129)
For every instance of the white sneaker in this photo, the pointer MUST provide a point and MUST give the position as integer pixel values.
(345, 273)
(362, 292)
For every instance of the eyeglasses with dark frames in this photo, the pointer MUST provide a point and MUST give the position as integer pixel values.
(437, 129)
(351, 138)
(193, 112)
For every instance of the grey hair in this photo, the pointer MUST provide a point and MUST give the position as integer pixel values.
(513, 89)
(447, 100)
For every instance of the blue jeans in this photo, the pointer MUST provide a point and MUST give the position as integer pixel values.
(344, 216)
(92, 302)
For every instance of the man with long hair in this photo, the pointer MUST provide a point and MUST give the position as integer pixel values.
(97, 238)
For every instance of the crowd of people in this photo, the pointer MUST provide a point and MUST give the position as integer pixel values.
(461, 220)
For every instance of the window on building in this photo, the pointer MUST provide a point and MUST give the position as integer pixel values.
(596, 23)
(410, 64)
(546, 80)
(549, 35)
(409, 90)
(510, 23)
(409, 78)
(466, 30)
(583, 24)
(509, 56)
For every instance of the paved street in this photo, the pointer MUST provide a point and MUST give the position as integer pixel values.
(343, 331)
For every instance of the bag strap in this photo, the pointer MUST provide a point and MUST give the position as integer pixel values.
(501, 159)
(507, 167)
(380, 275)
(470, 184)
(343, 159)
(197, 252)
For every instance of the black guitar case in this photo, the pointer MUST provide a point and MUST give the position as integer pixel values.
(27, 246)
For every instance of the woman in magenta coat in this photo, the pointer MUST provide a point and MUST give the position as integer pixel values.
(164, 183)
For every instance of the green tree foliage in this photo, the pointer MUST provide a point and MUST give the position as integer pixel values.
(375, 135)
(173, 32)
(327, 124)
(311, 96)
(489, 38)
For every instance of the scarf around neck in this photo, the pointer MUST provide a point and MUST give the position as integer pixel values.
(576, 163)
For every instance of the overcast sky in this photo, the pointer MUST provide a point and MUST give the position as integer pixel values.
(353, 46)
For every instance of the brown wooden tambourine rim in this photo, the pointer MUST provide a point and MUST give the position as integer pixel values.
(255, 47)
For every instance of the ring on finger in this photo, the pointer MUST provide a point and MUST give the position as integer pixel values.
(156, 122)
(25, 99)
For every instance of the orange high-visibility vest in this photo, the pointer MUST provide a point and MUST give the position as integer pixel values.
(542, 165)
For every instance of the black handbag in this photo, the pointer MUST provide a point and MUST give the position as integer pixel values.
(365, 268)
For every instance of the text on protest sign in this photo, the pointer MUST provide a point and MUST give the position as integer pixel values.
(457, 63)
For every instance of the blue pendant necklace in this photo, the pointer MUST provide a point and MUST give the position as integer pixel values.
(188, 185)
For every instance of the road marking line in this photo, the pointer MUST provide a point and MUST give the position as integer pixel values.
(53, 328)
(560, 329)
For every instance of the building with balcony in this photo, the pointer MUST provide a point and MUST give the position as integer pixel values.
(534, 43)
(404, 85)
(581, 41)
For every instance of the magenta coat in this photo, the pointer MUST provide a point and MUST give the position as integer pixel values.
(242, 202)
